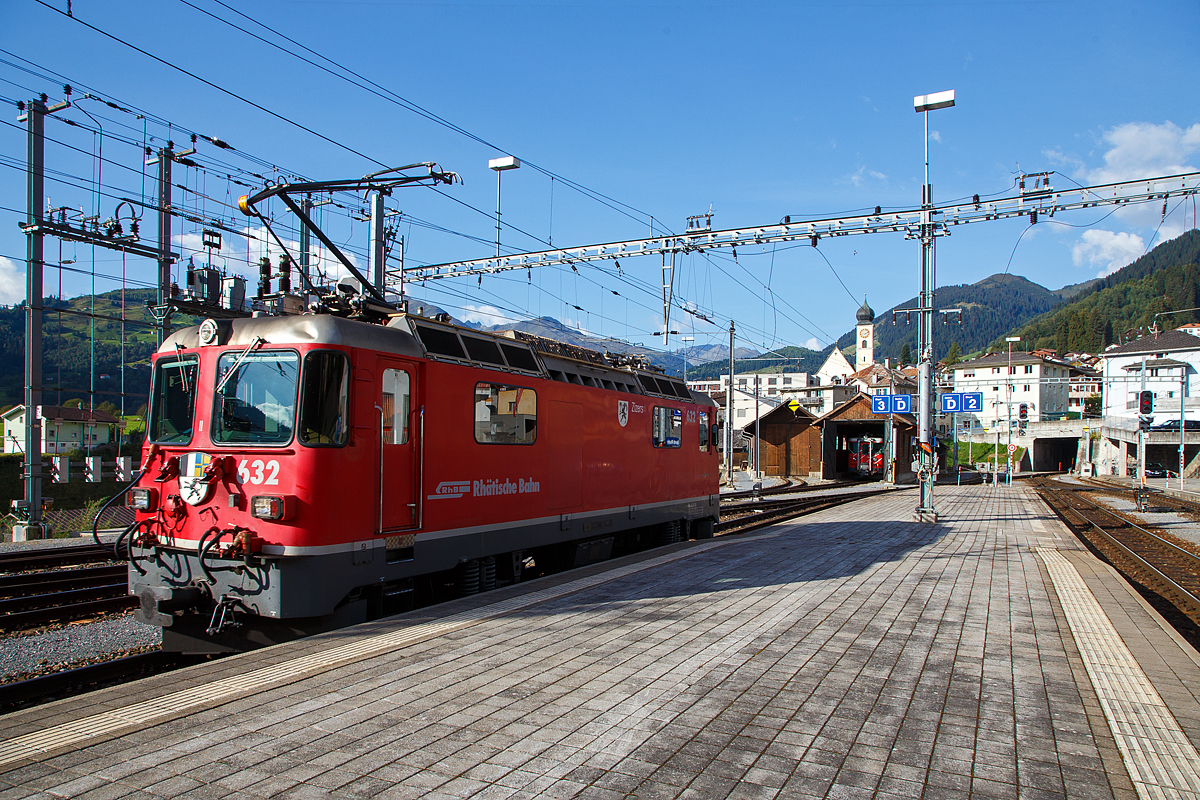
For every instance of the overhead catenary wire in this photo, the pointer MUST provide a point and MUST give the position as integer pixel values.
(384, 93)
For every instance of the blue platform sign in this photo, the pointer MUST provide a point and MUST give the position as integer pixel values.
(891, 403)
(972, 401)
(951, 402)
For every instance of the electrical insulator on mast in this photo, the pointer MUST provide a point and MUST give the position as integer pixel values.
(264, 277)
(285, 274)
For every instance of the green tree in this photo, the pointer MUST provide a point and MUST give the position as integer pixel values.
(954, 354)
(905, 355)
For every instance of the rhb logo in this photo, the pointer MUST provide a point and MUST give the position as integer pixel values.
(450, 490)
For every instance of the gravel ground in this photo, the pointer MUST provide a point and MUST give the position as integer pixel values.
(73, 644)
(74, 541)
(1169, 521)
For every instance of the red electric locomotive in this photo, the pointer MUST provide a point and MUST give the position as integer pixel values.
(866, 455)
(303, 473)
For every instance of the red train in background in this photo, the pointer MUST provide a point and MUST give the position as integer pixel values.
(303, 473)
(866, 455)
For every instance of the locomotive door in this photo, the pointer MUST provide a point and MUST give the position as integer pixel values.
(399, 446)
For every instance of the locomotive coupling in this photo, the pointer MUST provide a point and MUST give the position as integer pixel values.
(159, 603)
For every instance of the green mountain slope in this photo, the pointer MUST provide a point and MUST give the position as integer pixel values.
(794, 359)
(1166, 279)
(991, 308)
(72, 342)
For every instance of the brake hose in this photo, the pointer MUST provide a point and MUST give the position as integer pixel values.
(103, 508)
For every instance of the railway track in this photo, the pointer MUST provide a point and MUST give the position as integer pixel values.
(747, 517)
(1148, 558)
(58, 585)
(56, 685)
(791, 487)
(1157, 497)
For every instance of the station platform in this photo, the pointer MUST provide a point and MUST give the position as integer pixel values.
(851, 654)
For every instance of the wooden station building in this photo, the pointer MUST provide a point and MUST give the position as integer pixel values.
(797, 444)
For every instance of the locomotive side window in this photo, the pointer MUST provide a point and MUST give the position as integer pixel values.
(704, 431)
(668, 426)
(505, 414)
(173, 400)
(257, 403)
(395, 406)
(325, 398)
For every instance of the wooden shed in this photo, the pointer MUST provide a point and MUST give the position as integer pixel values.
(797, 444)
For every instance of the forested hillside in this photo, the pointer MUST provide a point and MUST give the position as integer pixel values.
(795, 359)
(71, 343)
(1119, 313)
(991, 308)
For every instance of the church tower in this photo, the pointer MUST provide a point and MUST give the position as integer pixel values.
(864, 355)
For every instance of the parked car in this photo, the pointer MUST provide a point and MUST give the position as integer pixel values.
(1158, 471)
(1173, 425)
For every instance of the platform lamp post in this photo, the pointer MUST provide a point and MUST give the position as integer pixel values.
(925, 511)
(501, 165)
(1010, 340)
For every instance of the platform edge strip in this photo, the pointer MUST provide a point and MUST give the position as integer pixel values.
(1156, 751)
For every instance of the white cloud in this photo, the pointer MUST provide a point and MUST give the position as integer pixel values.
(1143, 149)
(12, 282)
(862, 174)
(1109, 250)
(1056, 156)
(484, 315)
(935, 136)
(813, 344)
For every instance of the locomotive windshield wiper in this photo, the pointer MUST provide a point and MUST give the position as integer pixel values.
(179, 349)
(257, 341)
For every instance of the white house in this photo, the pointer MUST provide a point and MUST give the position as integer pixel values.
(770, 384)
(1170, 359)
(1038, 382)
(878, 379)
(63, 429)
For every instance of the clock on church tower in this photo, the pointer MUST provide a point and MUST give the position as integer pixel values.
(865, 350)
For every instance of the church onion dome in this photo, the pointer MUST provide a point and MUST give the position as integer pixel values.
(865, 314)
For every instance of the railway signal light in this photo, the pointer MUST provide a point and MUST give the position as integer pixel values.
(1144, 424)
(1023, 413)
(1146, 402)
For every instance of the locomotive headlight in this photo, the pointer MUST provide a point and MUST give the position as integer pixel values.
(268, 506)
(142, 499)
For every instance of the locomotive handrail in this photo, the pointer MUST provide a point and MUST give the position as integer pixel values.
(379, 516)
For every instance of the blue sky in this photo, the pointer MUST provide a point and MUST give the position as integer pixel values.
(755, 110)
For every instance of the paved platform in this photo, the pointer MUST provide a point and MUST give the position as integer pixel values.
(854, 654)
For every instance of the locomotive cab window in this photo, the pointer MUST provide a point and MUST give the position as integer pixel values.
(395, 406)
(256, 403)
(505, 414)
(325, 398)
(173, 400)
(668, 427)
(703, 431)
